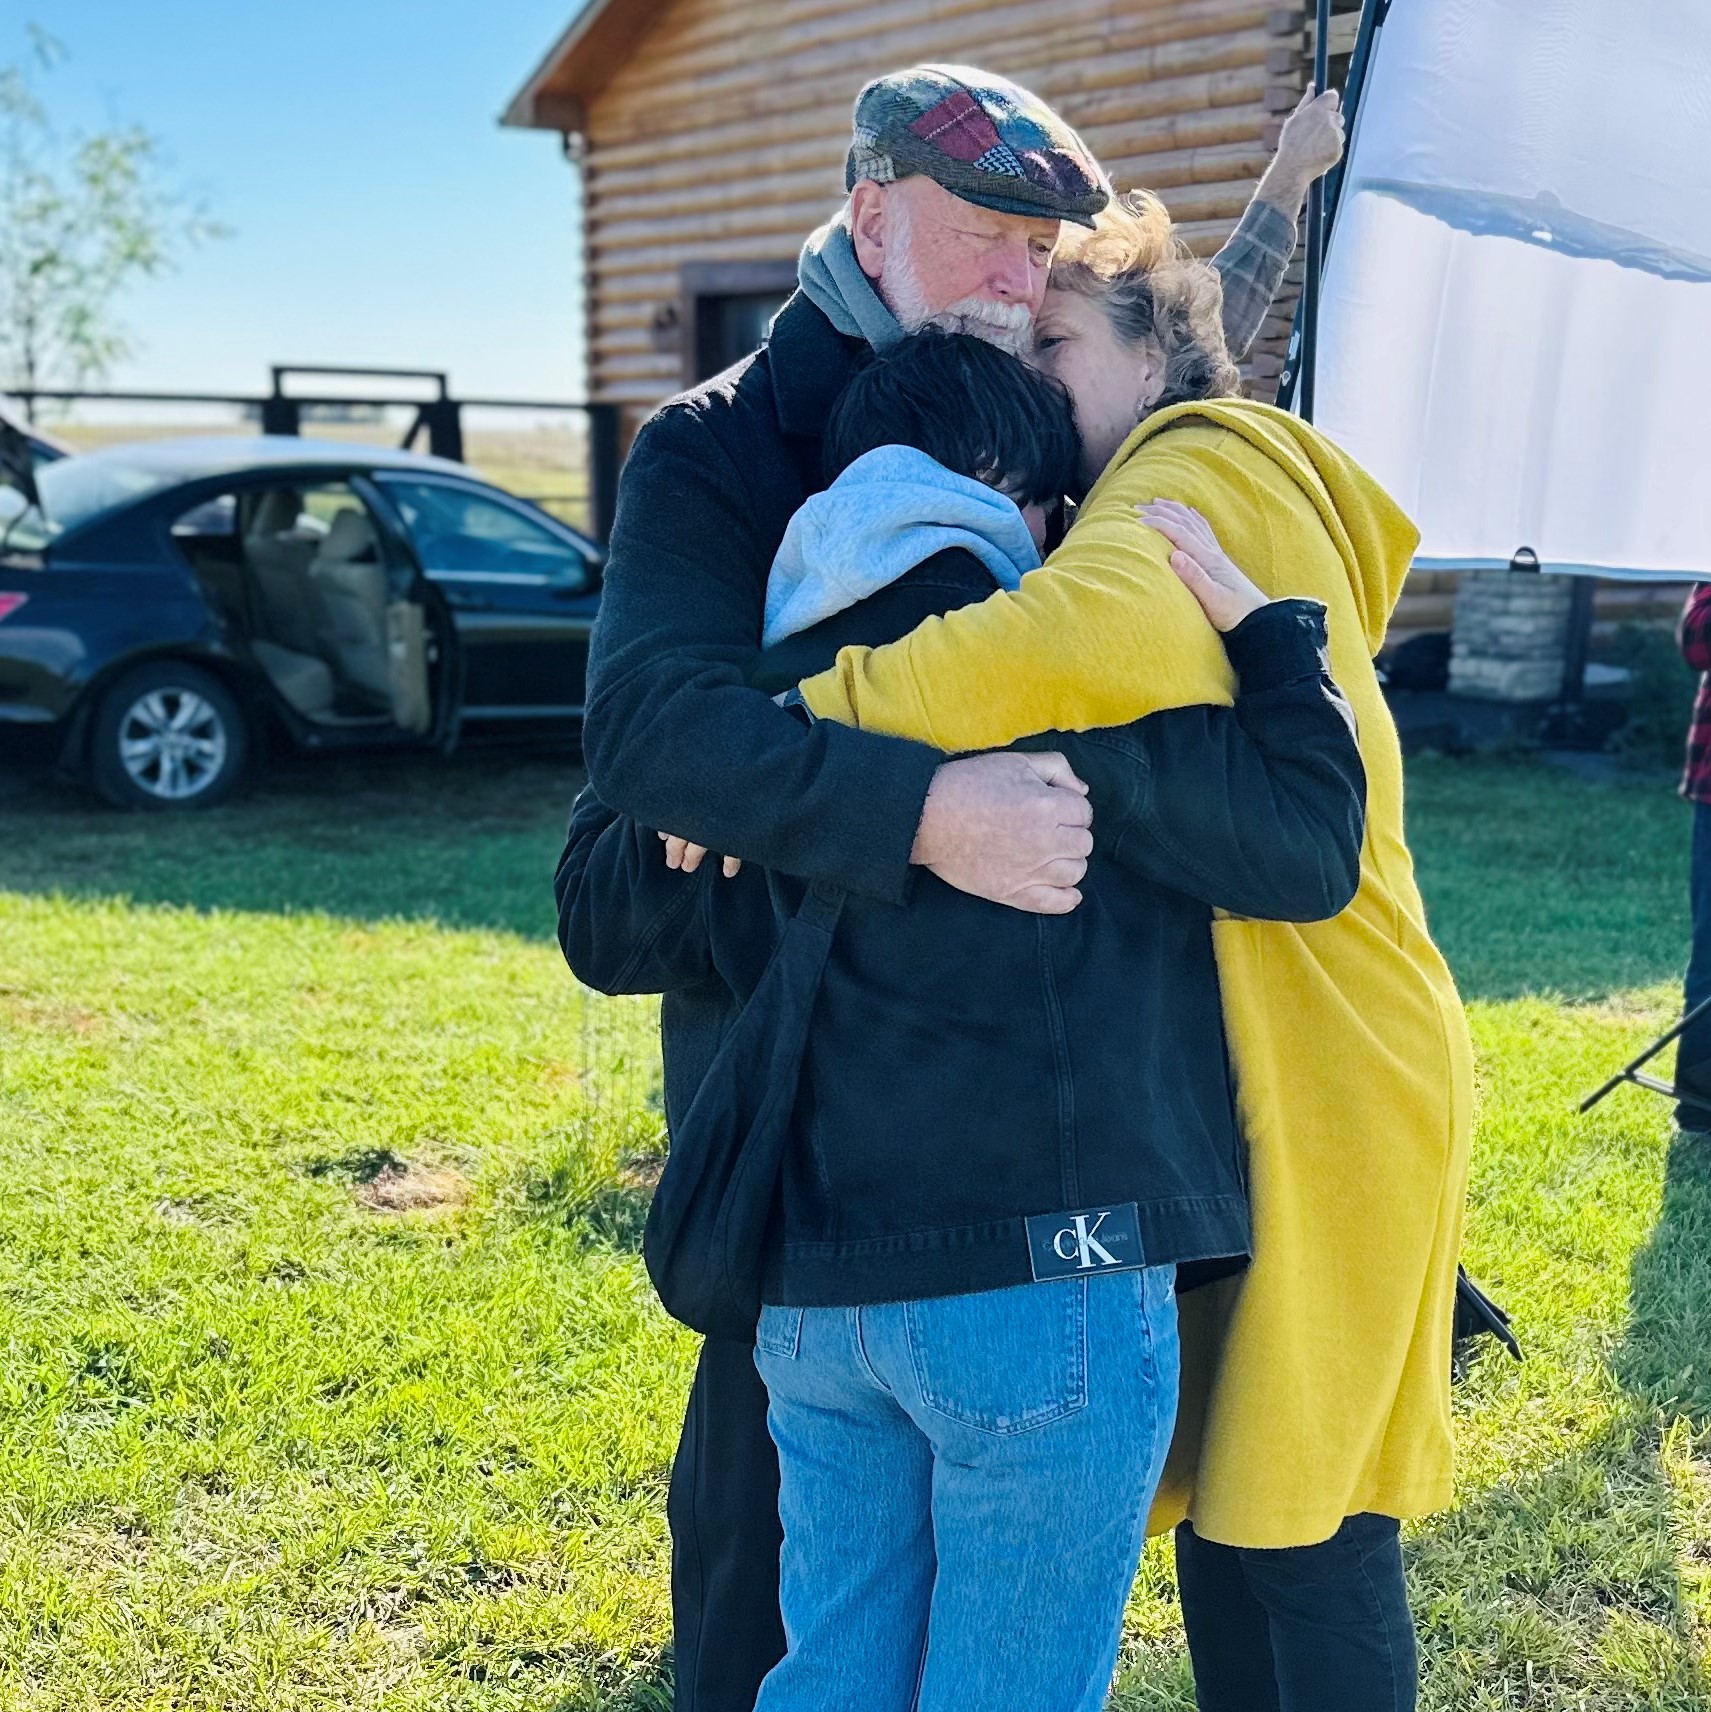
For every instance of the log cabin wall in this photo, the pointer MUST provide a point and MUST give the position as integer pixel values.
(719, 142)
(716, 143)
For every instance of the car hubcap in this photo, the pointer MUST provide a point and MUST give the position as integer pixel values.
(172, 743)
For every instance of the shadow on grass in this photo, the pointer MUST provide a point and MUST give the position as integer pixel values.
(1570, 1588)
(1563, 1590)
(649, 1691)
(1567, 1589)
(362, 1166)
(1666, 1354)
(1540, 881)
(467, 841)
(1160, 1681)
(618, 1216)
(598, 1186)
(1536, 880)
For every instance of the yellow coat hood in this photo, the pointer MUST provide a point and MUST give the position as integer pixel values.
(1373, 536)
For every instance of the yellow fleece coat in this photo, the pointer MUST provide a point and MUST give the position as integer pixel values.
(1316, 1386)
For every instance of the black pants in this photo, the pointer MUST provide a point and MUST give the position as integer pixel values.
(725, 1537)
(1321, 1628)
(1693, 1051)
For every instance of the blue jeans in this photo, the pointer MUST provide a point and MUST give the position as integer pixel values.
(1693, 1050)
(965, 1487)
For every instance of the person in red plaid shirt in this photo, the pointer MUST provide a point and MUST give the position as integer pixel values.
(1693, 1052)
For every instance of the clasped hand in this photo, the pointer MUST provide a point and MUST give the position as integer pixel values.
(1017, 829)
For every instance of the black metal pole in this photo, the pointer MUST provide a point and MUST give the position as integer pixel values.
(1578, 646)
(1315, 224)
(1630, 1072)
(1372, 15)
(604, 462)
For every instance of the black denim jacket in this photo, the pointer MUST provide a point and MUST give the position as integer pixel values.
(970, 1068)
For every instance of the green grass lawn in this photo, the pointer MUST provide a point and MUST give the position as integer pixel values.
(331, 1375)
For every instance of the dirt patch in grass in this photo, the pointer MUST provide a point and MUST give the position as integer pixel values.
(405, 1188)
(49, 1015)
(383, 1182)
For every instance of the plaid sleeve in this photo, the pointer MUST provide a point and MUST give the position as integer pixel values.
(1251, 265)
(1694, 631)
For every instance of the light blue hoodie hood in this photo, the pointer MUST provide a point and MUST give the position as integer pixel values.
(891, 509)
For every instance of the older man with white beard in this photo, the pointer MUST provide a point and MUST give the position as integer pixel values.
(957, 183)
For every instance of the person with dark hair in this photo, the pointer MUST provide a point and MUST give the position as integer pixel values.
(1008, 1132)
(943, 441)
(1008, 416)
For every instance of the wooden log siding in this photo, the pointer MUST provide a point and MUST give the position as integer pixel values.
(721, 138)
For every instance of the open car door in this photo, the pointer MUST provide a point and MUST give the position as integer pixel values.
(424, 660)
(330, 600)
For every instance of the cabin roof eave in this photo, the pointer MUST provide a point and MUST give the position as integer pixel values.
(589, 52)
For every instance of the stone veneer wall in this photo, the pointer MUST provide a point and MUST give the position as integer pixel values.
(1510, 635)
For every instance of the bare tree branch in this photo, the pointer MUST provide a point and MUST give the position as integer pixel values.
(81, 219)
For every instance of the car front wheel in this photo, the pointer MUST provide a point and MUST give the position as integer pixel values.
(168, 736)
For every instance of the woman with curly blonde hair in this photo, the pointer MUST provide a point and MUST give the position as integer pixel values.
(1315, 1398)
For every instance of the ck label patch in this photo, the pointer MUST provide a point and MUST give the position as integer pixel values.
(1070, 1245)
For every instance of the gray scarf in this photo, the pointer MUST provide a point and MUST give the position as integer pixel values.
(832, 280)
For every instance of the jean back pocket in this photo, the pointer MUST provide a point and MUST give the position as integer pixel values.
(1002, 1361)
(779, 1331)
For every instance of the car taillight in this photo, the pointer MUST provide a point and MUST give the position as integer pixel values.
(9, 603)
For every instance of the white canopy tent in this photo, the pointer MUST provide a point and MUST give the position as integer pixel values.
(1515, 326)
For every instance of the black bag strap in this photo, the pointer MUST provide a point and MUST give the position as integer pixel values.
(786, 996)
(821, 906)
(706, 1232)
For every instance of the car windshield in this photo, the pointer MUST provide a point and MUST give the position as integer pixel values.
(73, 490)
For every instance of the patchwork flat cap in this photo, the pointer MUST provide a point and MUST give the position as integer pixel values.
(981, 136)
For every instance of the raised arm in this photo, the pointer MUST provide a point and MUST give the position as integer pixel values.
(1252, 263)
(1251, 266)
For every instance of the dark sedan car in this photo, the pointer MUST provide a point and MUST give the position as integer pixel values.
(169, 603)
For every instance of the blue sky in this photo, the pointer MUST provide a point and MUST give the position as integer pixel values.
(379, 214)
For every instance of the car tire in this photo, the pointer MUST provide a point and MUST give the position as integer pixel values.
(168, 736)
